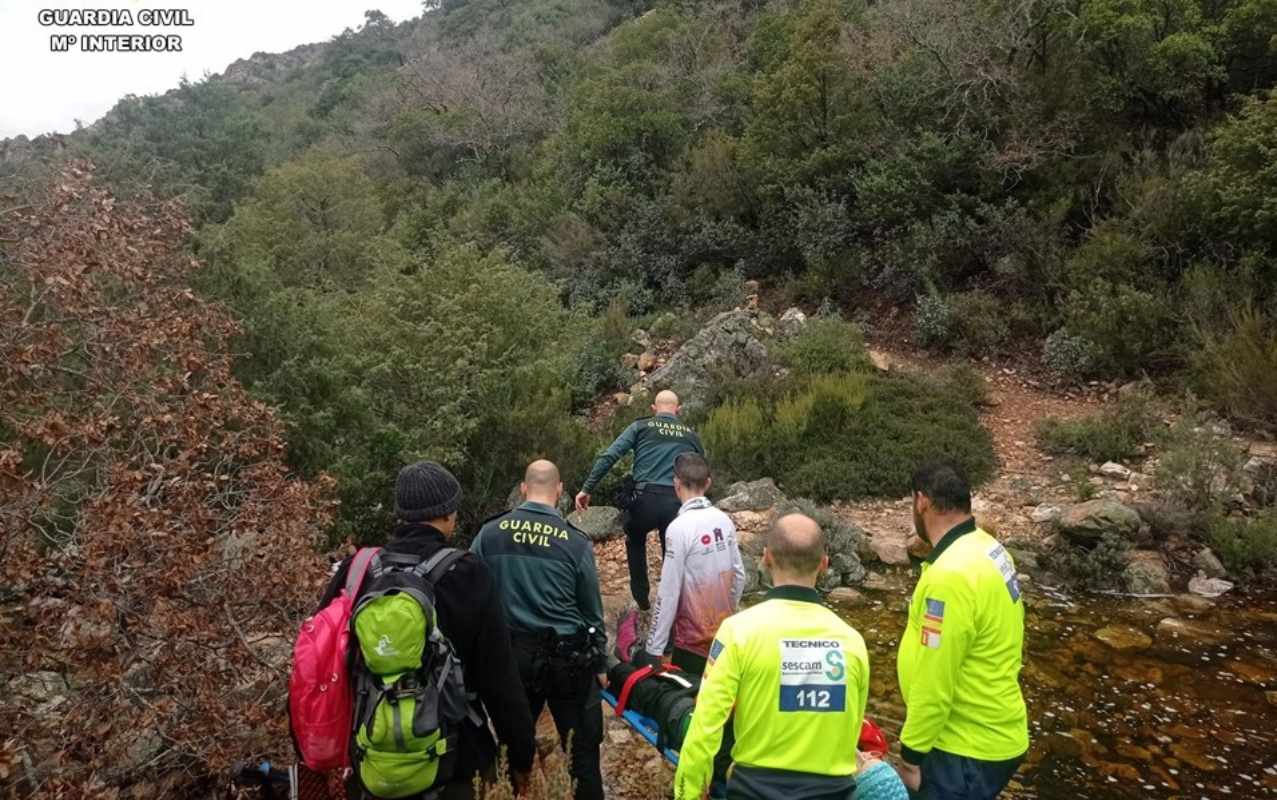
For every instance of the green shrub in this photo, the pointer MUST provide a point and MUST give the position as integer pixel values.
(1117, 434)
(825, 344)
(933, 321)
(1098, 568)
(1068, 356)
(1130, 329)
(1246, 546)
(1237, 369)
(1198, 469)
(981, 323)
(847, 435)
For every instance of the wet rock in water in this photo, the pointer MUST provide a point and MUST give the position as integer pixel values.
(1045, 513)
(1271, 697)
(1140, 672)
(1209, 587)
(1062, 744)
(1123, 772)
(1190, 633)
(598, 523)
(1124, 639)
(1088, 522)
(758, 495)
(1111, 469)
(1146, 573)
(1189, 755)
(878, 582)
(1254, 674)
(1192, 604)
(1209, 564)
(889, 549)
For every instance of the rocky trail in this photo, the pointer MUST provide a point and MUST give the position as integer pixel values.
(1128, 697)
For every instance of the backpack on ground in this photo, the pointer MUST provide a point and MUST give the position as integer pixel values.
(320, 701)
(410, 694)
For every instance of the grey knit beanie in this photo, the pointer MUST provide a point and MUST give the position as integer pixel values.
(426, 490)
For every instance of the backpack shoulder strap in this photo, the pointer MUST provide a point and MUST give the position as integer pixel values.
(358, 568)
(434, 568)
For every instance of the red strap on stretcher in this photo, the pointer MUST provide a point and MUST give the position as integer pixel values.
(637, 675)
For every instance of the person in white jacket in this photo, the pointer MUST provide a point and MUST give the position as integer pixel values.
(702, 577)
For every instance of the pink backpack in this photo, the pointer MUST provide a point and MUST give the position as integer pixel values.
(320, 703)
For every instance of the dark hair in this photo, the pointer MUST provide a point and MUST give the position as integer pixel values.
(795, 552)
(692, 470)
(945, 484)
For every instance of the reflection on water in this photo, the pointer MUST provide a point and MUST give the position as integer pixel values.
(1163, 698)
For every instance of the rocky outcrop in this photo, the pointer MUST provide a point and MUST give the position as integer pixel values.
(758, 495)
(1209, 564)
(598, 523)
(1087, 522)
(791, 322)
(729, 345)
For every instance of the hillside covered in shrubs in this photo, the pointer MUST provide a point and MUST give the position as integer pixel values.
(1083, 183)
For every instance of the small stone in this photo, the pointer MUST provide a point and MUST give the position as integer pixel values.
(622, 398)
(630, 361)
(647, 361)
(1045, 513)
(641, 338)
(1255, 674)
(1186, 632)
(1209, 587)
(846, 596)
(1209, 564)
(1111, 469)
(879, 360)
(618, 735)
(791, 322)
(1193, 758)
(1271, 697)
(1124, 639)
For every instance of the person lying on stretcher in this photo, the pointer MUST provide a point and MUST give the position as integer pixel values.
(667, 696)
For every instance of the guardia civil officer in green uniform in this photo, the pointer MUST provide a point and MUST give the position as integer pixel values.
(798, 678)
(965, 729)
(656, 441)
(545, 570)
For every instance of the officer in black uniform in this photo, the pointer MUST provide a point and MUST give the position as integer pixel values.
(545, 570)
(656, 441)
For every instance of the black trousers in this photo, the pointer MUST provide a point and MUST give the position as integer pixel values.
(577, 709)
(654, 509)
(946, 776)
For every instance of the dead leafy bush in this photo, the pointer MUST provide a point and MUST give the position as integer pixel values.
(156, 553)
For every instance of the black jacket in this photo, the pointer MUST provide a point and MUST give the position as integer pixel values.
(471, 616)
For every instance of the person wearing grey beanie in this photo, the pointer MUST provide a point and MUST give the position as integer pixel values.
(472, 615)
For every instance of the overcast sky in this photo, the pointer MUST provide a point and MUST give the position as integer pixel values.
(42, 91)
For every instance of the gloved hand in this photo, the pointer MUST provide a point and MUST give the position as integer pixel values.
(642, 658)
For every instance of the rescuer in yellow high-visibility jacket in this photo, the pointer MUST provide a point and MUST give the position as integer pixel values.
(798, 679)
(965, 729)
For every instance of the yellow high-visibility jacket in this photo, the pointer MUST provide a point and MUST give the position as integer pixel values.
(798, 678)
(959, 660)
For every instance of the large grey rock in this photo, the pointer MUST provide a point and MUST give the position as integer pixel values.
(1111, 469)
(1146, 573)
(889, 549)
(758, 495)
(1045, 512)
(728, 346)
(1087, 522)
(598, 523)
(1209, 587)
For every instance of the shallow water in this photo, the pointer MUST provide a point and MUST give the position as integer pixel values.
(1174, 717)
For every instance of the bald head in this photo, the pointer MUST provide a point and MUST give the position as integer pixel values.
(541, 482)
(795, 550)
(666, 402)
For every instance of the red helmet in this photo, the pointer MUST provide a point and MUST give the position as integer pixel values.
(872, 740)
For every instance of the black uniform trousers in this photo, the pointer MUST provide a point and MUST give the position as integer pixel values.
(946, 776)
(654, 508)
(575, 704)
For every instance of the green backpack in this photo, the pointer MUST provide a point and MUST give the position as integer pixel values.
(409, 688)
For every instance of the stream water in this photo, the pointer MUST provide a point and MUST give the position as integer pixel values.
(1127, 697)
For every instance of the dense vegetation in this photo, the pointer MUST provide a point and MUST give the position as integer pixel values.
(1087, 181)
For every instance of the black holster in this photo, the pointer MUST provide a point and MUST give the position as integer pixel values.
(557, 664)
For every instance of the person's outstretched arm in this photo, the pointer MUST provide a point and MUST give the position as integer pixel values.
(614, 453)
